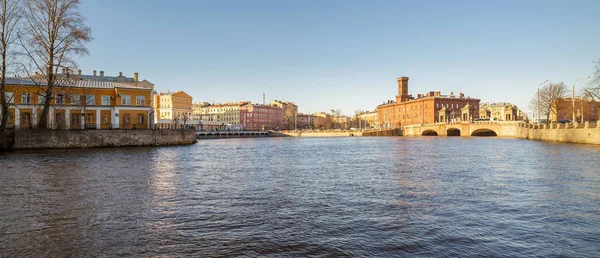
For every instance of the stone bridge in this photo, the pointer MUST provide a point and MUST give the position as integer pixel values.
(487, 128)
(230, 134)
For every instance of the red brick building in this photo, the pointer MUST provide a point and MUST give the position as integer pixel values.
(261, 117)
(562, 108)
(428, 108)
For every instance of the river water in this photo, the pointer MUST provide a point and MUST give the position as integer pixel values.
(429, 197)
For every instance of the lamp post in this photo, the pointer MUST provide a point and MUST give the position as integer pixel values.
(573, 98)
(538, 102)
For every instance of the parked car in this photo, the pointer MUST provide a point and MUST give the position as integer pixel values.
(565, 121)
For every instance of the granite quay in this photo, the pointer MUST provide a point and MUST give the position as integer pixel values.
(65, 139)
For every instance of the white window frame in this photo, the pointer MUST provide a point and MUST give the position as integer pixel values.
(75, 99)
(60, 97)
(26, 98)
(105, 100)
(41, 98)
(9, 97)
(139, 100)
(90, 100)
(125, 100)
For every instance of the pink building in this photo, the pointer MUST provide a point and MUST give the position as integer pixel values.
(261, 117)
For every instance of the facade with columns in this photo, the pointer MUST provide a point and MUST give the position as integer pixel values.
(79, 104)
(428, 108)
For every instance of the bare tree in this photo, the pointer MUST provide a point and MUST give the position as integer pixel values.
(548, 96)
(9, 19)
(176, 119)
(184, 118)
(593, 90)
(54, 34)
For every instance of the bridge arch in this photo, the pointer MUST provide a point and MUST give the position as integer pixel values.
(429, 133)
(484, 132)
(453, 132)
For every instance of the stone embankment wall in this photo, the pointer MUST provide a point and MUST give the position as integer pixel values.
(62, 139)
(574, 133)
(389, 132)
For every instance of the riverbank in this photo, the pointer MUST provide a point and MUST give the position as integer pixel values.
(72, 139)
(317, 134)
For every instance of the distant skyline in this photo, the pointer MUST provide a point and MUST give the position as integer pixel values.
(344, 55)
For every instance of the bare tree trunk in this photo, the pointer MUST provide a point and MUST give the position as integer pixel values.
(54, 34)
(2, 93)
(9, 19)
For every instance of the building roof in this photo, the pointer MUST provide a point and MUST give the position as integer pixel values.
(391, 102)
(70, 83)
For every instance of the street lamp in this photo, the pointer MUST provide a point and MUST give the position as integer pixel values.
(573, 98)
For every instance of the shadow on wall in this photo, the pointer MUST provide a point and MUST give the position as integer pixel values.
(484, 133)
(429, 133)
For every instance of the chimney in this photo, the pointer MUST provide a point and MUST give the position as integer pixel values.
(438, 93)
(418, 96)
(451, 94)
(462, 95)
(135, 77)
(120, 74)
(79, 72)
(101, 73)
(94, 73)
(64, 70)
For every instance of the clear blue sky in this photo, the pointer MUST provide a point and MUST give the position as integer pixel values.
(344, 54)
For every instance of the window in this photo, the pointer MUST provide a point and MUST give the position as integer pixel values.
(139, 100)
(125, 100)
(75, 120)
(76, 100)
(26, 118)
(90, 100)
(140, 118)
(9, 97)
(89, 118)
(59, 99)
(25, 98)
(41, 98)
(105, 100)
(126, 119)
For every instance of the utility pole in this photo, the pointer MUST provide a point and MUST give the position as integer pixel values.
(573, 101)
(538, 106)
(575, 83)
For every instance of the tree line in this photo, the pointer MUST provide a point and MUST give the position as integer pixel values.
(546, 96)
(39, 37)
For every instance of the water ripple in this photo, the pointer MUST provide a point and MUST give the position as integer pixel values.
(344, 197)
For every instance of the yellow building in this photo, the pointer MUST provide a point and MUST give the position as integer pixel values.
(172, 108)
(79, 104)
(369, 119)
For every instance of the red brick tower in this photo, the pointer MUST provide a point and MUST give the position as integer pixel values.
(402, 89)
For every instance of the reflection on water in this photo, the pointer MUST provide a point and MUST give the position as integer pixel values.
(305, 197)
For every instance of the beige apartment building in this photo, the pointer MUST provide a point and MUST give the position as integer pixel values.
(172, 109)
(501, 112)
(290, 113)
(368, 119)
(227, 114)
